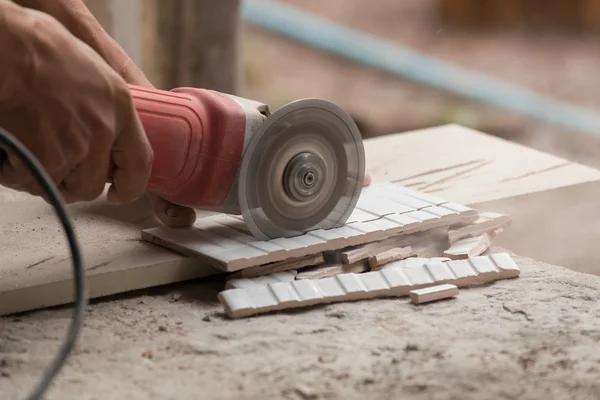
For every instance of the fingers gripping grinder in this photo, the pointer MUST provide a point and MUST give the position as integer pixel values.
(298, 169)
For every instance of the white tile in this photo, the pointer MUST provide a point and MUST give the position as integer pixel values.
(439, 211)
(436, 201)
(330, 287)
(284, 292)
(457, 207)
(385, 224)
(462, 268)
(504, 261)
(307, 290)
(403, 219)
(288, 243)
(422, 216)
(262, 297)
(351, 283)
(416, 275)
(359, 215)
(395, 277)
(482, 264)
(374, 281)
(439, 270)
(237, 299)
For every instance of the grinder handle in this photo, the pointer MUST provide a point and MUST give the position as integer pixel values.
(173, 125)
(197, 138)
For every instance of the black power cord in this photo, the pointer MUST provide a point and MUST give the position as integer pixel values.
(9, 142)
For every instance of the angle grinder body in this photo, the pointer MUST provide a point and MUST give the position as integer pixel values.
(298, 169)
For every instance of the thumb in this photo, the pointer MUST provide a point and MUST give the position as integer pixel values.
(367, 180)
(172, 215)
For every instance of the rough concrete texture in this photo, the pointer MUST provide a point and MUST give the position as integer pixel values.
(532, 337)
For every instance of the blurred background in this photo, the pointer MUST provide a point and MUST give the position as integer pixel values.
(524, 70)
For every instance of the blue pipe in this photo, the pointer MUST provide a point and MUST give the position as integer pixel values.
(408, 64)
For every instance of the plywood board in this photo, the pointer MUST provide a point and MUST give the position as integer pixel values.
(465, 166)
(35, 270)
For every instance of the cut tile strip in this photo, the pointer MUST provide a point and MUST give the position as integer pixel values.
(385, 283)
(387, 256)
(433, 293)
(281, 266)
(222, 243)
(468, 247)
(487, 222)
(286, 276)
(328, 270)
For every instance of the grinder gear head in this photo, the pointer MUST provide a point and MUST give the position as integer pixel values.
(302, 170)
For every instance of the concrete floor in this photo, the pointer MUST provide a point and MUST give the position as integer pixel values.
(529, 338)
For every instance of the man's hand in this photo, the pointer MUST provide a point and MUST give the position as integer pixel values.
(75, 16)
(71, 109)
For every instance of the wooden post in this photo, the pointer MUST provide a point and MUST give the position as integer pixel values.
(196, 44)
(209, 56)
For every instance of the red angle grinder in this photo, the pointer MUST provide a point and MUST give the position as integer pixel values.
(298, 169)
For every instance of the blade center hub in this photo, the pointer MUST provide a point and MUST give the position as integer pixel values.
(304, 176)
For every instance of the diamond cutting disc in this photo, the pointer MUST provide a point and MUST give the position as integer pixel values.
(302, 170)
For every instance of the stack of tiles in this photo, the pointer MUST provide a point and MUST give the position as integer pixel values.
(244, 302)
(382, 211)
(392, 227)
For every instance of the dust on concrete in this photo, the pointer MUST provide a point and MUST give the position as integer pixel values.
(529, 338)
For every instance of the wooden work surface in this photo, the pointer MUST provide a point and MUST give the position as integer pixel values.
(452, 162)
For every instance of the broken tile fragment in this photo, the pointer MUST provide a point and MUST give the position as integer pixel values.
(329, 270)
(369, 250)
(468, 247)
(433, 293)
(387, 256)
(281, 266)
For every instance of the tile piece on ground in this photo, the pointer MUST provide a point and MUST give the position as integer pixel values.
(286, 276)
(468, 247)
(488, 222)
(281, 266)
(433, 293)
(385, 283)
(329, 270)
(221, 242)
(387, 256)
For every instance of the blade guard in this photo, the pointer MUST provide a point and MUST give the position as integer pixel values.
(261, 169)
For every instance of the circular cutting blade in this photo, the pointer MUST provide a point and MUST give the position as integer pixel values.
(302, 170)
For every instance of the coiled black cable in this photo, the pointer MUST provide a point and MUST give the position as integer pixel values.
(9, 142)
